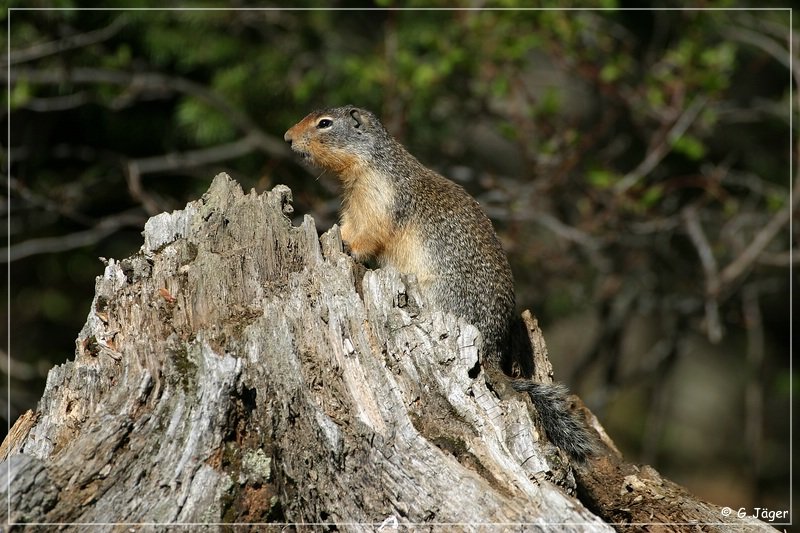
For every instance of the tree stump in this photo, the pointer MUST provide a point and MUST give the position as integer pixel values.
(238, 370)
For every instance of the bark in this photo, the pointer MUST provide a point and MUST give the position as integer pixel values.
(237, 369)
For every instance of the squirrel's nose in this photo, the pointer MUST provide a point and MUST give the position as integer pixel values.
(287, 137)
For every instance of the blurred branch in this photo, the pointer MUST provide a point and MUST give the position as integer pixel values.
(784, 259)
(255, 138)
(785, 56)
(753, 251)
(567, 232)
(153, 81)
(754, 390)
(768, 26)
(759, 40)
(591, 244)
(18, 369)
(102, 229)
(659, 149)
(47, 204)
(523, 195)
(717, 281)
(195, 158)
(655, 225)
(614, 308)
(57, 103)
(710, 269)
(754, 183)
(179, 160)
(656, 418)
(79, 40)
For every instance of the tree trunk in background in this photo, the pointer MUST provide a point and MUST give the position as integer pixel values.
(230, 372)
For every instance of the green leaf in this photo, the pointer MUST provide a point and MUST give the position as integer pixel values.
(20, 94)
(601, 178)
(775, 201)
(120, 59)
(610, 72)
(689, 146)
(203, 124)
(652, 196)
(550, 102)
(424, 76)
(655, 96)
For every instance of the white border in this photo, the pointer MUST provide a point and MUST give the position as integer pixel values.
(10, 10)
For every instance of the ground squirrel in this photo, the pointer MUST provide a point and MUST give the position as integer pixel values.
(400, 213)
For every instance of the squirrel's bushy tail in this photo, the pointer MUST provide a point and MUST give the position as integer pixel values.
(561, 423)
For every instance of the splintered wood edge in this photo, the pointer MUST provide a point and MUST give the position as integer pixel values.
(18, 433)
(543, 372)
(543, 368)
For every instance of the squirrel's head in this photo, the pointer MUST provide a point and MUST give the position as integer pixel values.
(339, 139)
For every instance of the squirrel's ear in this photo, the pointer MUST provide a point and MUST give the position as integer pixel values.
(356, 116)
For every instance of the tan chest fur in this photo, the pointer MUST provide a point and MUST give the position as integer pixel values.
(369, 229)
(366, 217)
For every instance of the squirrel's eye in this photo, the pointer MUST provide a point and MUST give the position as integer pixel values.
(324, 123)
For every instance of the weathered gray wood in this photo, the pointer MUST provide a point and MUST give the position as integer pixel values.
(230, 372)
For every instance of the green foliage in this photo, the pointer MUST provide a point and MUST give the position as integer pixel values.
(55, 305)
(119, 59)
(652, 195)
(202, 123)
(601, 179)
(20, 94)
(776, 201)
(689, 146)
